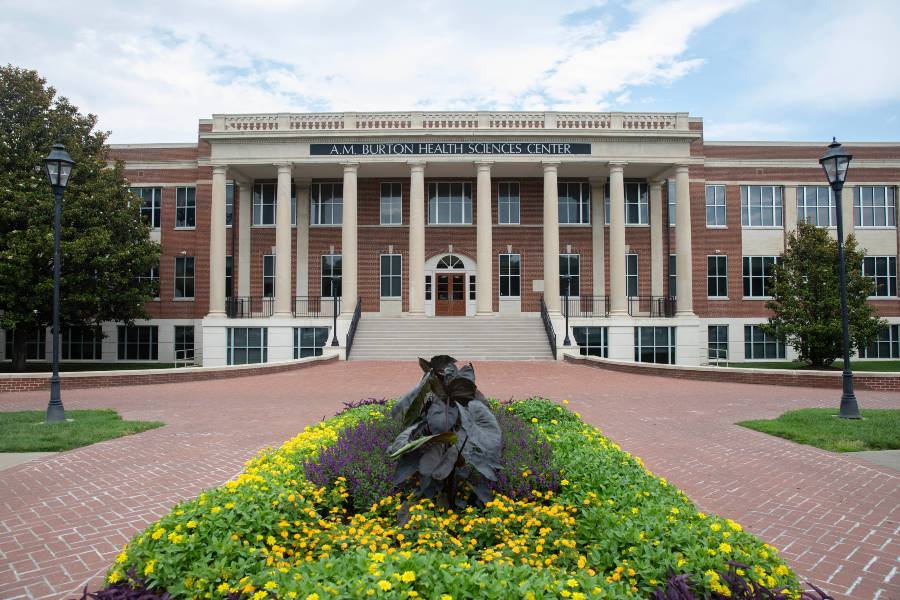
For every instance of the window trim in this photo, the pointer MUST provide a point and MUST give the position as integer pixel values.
(578, 276)
(518, 197)
(192, 208)
(509, 276)
(716, 205)
(391, 275)
(317, 350)
(893, 341)
(891, 261)
(381, 203)
(272, 276)
(641, 186)
(322, 275)
(465, 185)
(636, 276)
(718, 342)
(176, 278)
(263, 347)
(154, 347)
(584, 202)
(66, 343)
(671, 346)
(718, 275)
(155, 204)
(744, 276)
(175, 342)
(888, 214)
(587, 331)
(777, 207)
(780, 346)
(802, 197)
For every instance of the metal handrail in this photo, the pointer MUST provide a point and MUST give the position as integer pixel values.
(249, 307)
(357, 312)
(717, 356)
(654, 306)
(184, 358)
(548, 327)
(586, 306)
(315, 306)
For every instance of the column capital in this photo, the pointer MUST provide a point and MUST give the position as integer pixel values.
(550, 165)
(681, 168)
(416, 165)
(220, 169)
(284, 167)
(350, 167)
(657, 183)
(616, 166)
(483, 165)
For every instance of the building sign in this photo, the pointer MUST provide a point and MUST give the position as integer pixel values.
(449, 148)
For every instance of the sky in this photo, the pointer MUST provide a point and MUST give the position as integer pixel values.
(802, 70)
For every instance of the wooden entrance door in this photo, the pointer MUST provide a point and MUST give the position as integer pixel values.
(451, 295)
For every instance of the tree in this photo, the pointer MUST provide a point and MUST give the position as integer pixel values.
(806, 297)
(105, 243)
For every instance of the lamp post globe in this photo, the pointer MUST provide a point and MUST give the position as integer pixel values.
(58, 167)
(836, 162)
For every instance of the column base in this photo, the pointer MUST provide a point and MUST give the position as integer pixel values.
(618, 313)
(685, 313)
(216, 314)
(489, 313)
(283, 315)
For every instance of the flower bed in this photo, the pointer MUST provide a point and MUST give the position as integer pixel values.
(612, 530)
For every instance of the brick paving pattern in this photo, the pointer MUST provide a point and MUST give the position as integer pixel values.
(836, 518)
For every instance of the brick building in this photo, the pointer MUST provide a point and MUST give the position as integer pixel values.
(410, 215)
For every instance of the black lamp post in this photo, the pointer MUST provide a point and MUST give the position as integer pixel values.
(836, 162)
(568, 279)
(58, 166)
(334, 313)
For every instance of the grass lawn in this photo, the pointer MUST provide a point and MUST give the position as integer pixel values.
(856, 365)
(879, 429)
(44, 367)
(25, 431)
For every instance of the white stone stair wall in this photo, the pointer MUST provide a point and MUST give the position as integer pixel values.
(464, 338)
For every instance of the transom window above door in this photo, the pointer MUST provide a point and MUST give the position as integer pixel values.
(451, 262)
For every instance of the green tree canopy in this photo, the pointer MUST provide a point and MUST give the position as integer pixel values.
(806, 297)
(105, 244)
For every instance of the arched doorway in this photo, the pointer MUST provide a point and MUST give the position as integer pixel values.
(450, 285)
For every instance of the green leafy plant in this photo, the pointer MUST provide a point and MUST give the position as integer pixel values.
(450, 439)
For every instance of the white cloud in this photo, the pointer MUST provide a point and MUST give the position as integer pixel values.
(150, 70)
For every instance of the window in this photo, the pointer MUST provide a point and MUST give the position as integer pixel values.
(631, 275)
(331, 275)
(606, 203)
(82, 343)
(671, 200)
(35, 345)
(574, 203)
(138, 342)
(715, 206)
(673, 275)
(761, 206)
(247, 345)
(510, 275)
(883, 272)
(269, 276)
(264, 204)
(229, 277)
(151, 204)
(229, 204)
(186, 208)
(654, 345)
(153, 277)
(637, 208)
(450, 203)
(472, 287)
(309, 341)
(184, 342)
(761, 345)
(184, 276)
(886, 345)
(815, 205)
(391, 204)
(717, 342)
(717, 276)
(391, 275)
(327, 201)
(508, 203)
(569, 274)
(874, 206)
(428, 287)
(592, 341)
(758, 272)
(451, 262)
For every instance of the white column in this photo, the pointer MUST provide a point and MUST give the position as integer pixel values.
(348, 241)
(657, 261)
(617, 303)
(283, 241)
(245, 214)
(417, 238)
(683, 262)
(484, 289)
(551, 238)
(303, 237)
(598, 220)
(217, 244)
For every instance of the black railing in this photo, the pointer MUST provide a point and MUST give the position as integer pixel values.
(353, 324)
(249, 307)
(548, 327)
(652, 306)
(314, 306)
(586, 306)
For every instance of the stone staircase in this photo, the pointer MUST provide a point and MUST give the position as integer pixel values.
(520, 337)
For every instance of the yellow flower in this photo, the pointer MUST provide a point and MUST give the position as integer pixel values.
(529, 596)
(270, 585)
(149, 568)
(216, 510)
(121, 558)
(408, 577)
(313, 596)
(114, 577)
(446, 597)
(223, 587)
(260, 595)
(725, 548)
(191, 524)
(157, 533)
(564, 482)
(384, 585)
(534, 419)
(565, 401)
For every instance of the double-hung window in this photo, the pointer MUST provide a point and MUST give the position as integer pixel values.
(510, 275)
(269, 276)
(309, 341)
(874, 206)
(153, 277)
(247, 345)
(391, 275)
(508, 203)
(331, 275)
(138, 342)
(758, 272)
(391, 203)
(886, 345)
(717, 276)
(673, 276)
(882, 270)
(761, 206)
(264, 204)
(569, 274)
(229, 277)
(186, 208)
(82, 343)
(671, 201)
(760, 345)
(631, 275)
(184, 342)
(654, 345)
(151, 204)
(592, 341)
(717, 342)
(815, 205)
(450, 203)
(229, 204)
(715, 206)
(637, 207)
(574, 202)
(184, 277)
